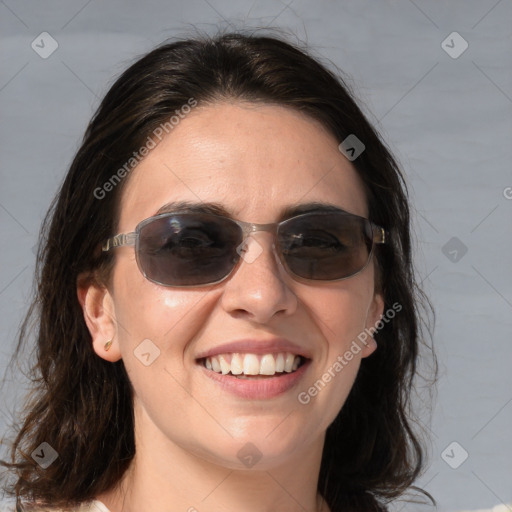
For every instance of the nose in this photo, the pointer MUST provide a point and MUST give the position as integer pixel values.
(259, 286)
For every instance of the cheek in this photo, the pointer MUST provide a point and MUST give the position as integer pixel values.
(154, 320)
(340, 314)
(341, 311)
(155, 329)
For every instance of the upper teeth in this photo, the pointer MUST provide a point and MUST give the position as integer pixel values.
(252, 364)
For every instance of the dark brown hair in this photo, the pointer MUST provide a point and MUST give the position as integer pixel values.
(82, 405)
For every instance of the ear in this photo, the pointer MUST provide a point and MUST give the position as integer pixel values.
(373, 315)
(98, 309)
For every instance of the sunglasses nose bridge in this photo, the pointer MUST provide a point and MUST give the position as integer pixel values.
(249, 229)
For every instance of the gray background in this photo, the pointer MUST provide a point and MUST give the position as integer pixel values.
(448, 120)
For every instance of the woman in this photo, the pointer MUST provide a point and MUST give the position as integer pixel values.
(229, 318)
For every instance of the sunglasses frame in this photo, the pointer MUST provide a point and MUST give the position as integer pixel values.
(379, 236)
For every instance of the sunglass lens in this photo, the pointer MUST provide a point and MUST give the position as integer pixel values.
(188, 249)
(326, 246)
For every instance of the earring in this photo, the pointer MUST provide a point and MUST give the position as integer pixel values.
(108, 345)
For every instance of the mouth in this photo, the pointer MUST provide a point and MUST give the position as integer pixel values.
(253, 366)
(255, 376)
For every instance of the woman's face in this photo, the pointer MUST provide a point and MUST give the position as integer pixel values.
(255, 161)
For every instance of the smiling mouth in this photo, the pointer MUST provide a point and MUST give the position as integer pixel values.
(253, 366)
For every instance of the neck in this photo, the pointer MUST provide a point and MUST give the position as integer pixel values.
(191, 484)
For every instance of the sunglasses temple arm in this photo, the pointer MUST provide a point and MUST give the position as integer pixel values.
(119, 241)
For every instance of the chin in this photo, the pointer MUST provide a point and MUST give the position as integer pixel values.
(260, 446)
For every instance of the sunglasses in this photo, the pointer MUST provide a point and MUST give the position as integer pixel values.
(195, 249)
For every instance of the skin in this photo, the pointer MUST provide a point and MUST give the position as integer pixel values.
(188, 431)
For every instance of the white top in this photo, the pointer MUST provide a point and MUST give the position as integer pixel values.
(98, 506)
(92, 506)
(89, 506)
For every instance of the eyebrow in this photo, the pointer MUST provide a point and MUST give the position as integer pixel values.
(219, 209)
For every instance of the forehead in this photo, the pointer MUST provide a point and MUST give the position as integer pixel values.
(254, 159)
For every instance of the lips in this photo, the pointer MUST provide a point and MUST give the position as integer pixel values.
(258, 387)
(256, 369)
(254, 346)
